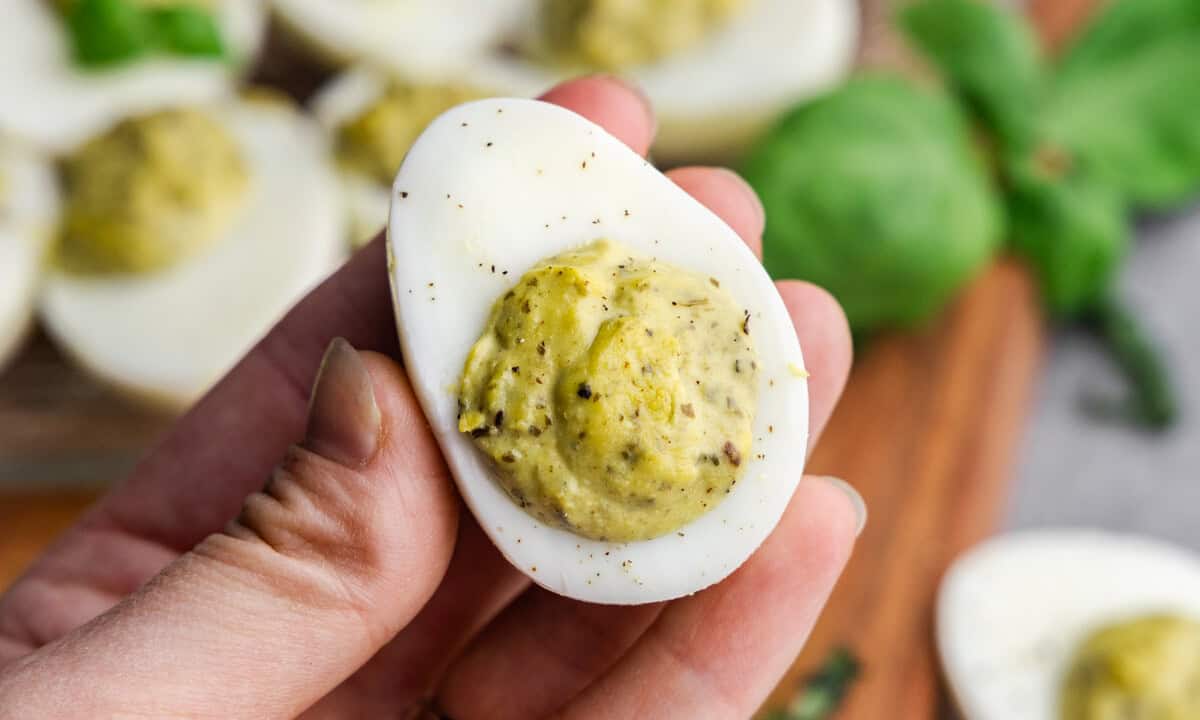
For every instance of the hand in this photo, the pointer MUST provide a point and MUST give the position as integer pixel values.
(354, 584)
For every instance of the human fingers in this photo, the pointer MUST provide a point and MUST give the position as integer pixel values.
(344, 546)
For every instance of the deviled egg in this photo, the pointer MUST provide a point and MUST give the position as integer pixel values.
(185, 235)
(1072, 625)
(28, 203)
(71, 68)
(717, 71)
(611, 374)
(417, 38)
(373, 119)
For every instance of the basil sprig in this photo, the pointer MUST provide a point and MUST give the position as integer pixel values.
(1081, 143)
(107, 33)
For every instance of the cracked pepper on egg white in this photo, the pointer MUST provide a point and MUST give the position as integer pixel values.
(607, 367)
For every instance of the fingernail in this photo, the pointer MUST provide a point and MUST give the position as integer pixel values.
(751, 197)
(635, 89)
(856, 499)
(344, 421)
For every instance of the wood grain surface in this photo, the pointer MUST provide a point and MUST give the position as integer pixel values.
(926, 431)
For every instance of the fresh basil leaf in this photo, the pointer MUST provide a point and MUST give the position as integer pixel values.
(1126, 100)
(106, 32)
(186, 30)
(1124, 29)
(1070, 226)
(988, 55)
(875, 192)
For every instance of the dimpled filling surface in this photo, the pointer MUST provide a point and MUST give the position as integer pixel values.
(617, 34)
(151, 192)
(615, 394)
(1146, 668)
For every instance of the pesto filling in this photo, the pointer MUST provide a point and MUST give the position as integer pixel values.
(615, 394)
(1147, 668)
(149, 194)
(618, 34)
(374, 142)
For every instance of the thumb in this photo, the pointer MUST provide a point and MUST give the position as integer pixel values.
(344, 546)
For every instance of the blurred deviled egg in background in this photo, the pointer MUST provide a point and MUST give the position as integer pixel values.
(1072, 624)
(185, 234)
(373, 118)
(413, 37)
(28, 203)
(71, 68)
(717, 71)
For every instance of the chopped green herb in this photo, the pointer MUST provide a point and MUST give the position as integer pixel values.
(186, 30)
(821, 694)
(108, 33)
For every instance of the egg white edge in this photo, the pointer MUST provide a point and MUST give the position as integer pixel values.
(1106, 562)
(47, 101)
(29, 196)
(676, 565)
(434, 41)
(61, 293)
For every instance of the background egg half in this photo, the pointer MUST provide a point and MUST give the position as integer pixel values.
(1012, 611)
(416, 37)
(47, 99)
(28, 204)
(168, 336)
(712, 99)
(494, 186)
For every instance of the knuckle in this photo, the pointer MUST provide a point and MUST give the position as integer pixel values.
(308, 535)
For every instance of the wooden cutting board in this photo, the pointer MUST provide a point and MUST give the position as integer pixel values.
(926, 430)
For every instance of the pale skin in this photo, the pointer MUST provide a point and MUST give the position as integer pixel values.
(356, 584)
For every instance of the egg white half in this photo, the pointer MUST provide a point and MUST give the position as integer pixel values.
(28, 205)
(1012, 611)
(714, 98)
(489, 189)
(48, 100)
(170, 335)
(427, 38)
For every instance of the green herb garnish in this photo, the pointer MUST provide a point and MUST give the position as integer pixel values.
(991, 63)
(869, 195)
(107, 33)
(876, 193)
(1125, 99)
(822, 693)
(1110, 127)
(186, 30)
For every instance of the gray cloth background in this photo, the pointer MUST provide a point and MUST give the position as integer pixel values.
(1073, 471)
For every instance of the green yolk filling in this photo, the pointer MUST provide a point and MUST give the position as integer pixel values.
(1143, 669)
(615, 394)
(618, 34)
(375, 142)
(150, 193)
